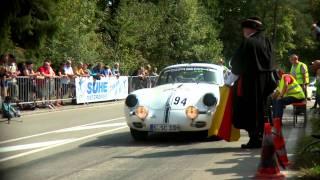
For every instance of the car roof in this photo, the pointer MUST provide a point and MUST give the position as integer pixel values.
(204, 65)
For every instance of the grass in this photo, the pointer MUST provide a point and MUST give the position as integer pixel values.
(308, 161)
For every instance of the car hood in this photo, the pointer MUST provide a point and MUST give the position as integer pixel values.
(177, 96)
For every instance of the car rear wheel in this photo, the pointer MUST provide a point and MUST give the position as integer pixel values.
(139, 135)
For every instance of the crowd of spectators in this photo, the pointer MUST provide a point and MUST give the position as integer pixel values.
(48, 85)
(22, 82)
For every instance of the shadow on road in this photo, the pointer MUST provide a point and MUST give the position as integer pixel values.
(157, 139)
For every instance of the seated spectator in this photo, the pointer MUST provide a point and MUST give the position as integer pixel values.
(8, 111)
(287, 92)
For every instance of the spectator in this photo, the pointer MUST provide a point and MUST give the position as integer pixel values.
(147, 70)
(79, 71)
(98, 71)
(116, 69)
(3, 75)
(62, 85)
(316, 29)
(87, 72)
(317, 85)
(46, 84)
(154, 71)
(142, 78)
(8, 111)
(300, 72)
(12, 72)
(68, 71)
(107, 71)
(29, 83)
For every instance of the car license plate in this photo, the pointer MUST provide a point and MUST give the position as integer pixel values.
(164, 127)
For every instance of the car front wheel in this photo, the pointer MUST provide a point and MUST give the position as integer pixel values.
(138, 135)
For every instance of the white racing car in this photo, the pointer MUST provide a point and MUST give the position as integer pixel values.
(184, 99)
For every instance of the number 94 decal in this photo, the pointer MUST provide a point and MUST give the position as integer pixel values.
(179, 101)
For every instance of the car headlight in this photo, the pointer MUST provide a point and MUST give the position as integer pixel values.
(141, 112)
(192, 112)
(209, 99)
(131, 100)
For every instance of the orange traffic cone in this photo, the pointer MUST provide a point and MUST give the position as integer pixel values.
(280, 144)
(268, 167)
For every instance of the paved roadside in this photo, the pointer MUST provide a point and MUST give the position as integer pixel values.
(117, 155)
(69, 106)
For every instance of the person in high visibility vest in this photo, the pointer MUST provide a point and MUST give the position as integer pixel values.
(300, 72)
(288, 91)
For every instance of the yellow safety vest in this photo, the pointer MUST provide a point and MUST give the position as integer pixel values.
(298, 74)
(293, 89)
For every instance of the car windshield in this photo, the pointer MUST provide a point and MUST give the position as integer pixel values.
(188, 75)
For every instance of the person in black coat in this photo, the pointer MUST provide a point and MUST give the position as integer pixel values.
(253, 64)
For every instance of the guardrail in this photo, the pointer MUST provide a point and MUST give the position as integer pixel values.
(30, 90)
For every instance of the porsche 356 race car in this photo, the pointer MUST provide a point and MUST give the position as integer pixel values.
(184, 99)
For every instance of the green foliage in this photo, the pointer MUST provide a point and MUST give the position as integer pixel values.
(158, 32)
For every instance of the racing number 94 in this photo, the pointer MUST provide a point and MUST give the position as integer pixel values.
(178, 100)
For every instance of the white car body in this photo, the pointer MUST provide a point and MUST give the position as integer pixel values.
(166, 103)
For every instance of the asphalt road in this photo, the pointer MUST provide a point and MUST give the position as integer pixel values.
(93, 142)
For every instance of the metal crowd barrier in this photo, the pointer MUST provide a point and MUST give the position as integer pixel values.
(26, 90)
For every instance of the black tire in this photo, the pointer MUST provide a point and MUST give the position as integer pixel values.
(139, 135)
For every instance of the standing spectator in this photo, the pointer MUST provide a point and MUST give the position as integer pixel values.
(13, 89)
(98, 71)
(70, 82)
(79, 70)
(147, 70)
(154, 71)
(252, 62)
(29, 83)
(300, 72)
(116, 69)
(316, 29)
(3, 75)
(153, 75)
(46, 85)
(87, 72)
(317, 85)
(107, 71)
(142, 78)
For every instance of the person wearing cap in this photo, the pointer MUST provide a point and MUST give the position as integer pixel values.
(252, 64)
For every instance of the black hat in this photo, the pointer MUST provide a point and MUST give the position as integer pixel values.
(253, 23)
